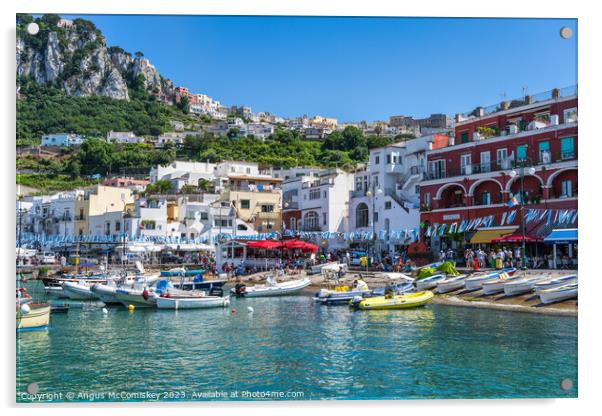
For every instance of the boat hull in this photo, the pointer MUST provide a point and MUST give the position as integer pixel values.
(339, 298)
(136, 299)
(105, 293)
(192, 303)
(429, 284)
(558, 294)
(518, 287)
(450, 285)
(496, 286)
(413, 300)
(37, 319)
(554, 283)
(78, 292)
(281, 289)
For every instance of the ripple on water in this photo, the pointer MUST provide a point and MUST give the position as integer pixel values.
(292, 344)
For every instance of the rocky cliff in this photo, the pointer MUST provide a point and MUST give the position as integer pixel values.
(73, 55)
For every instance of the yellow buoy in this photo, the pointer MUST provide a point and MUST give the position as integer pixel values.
(131, 308)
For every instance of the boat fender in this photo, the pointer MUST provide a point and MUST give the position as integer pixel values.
(25, 309)
(145, 294)
(250, 309)
(233, 311)
(105, 311)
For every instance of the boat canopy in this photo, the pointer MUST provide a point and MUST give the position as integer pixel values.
(486, 235)
(562, 236)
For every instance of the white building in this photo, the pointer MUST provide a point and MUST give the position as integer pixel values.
(123, 137)
(181, 173)
(386, 196)
(51, 214)
(317, 202)
(259, 130)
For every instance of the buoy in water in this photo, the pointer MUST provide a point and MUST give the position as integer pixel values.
(250, 309)
(233, 311)
(131, 308)
(105, 311)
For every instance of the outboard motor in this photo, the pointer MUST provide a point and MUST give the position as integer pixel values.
(240, 289)
(356, 301)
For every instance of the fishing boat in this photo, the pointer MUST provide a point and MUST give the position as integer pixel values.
(271, 288)
(32, 316)
(559, 293)
(78, 291)
(523, 285)
(555, 282)
(451, 283)
(411, 300)
(476, 282)
(192, 302)
(430, 282)
(492, 287)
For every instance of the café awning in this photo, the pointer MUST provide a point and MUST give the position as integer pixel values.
(485, 235)
(562, 236)
(516, 238)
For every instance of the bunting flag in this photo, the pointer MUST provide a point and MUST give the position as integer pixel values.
(442, 229)
(503, 218)
(511, 217)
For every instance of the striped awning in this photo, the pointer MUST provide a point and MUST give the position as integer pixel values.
(562, 236)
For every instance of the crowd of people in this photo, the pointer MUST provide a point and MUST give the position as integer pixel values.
(499, 258)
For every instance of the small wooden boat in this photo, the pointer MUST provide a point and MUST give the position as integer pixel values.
(556, 282)
(192, 302)
(32, 316)
(558, 294)
(430, 282)
(451, 283)
(271, 288)
(520, 286)
(496, 286)
(476, 282)
(411, 300)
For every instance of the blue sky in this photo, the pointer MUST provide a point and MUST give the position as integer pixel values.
(352, 68)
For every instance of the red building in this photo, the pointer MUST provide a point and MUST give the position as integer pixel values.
(480, 170)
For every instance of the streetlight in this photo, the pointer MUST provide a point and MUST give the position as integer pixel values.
(513, 173)
(373, 194)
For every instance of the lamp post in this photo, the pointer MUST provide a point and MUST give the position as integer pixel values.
(372, 194)
(513, 173)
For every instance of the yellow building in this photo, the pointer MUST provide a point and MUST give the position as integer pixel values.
(257, 199)
(323, 122)
(98, 202)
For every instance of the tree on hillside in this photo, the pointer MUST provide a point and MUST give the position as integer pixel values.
(138, 54)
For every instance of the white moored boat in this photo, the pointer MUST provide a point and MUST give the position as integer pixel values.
(451, 283)
(558, 293)
(196, 302)
(78, 291)
(476, 282)
(556, 282)
(139, 298)
(271, 288)
(429, 282)
(524, 285)
(497, 285)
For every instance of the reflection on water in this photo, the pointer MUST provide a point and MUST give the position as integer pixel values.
(292, 344)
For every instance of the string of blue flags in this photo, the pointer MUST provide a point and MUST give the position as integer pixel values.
(551, 216)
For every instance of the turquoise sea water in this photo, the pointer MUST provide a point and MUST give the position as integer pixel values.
(292, 348)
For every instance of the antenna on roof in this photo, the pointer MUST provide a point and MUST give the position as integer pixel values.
(525, 90)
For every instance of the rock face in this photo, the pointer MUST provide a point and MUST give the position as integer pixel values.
(78, 61)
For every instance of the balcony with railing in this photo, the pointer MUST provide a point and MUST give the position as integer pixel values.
(497, 166)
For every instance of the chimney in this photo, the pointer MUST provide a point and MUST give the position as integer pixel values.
(555, 93)
(529, 99)
(479, 111)
(504, 105)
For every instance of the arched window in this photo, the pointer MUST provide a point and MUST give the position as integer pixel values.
(311, 221)
(361, 216)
